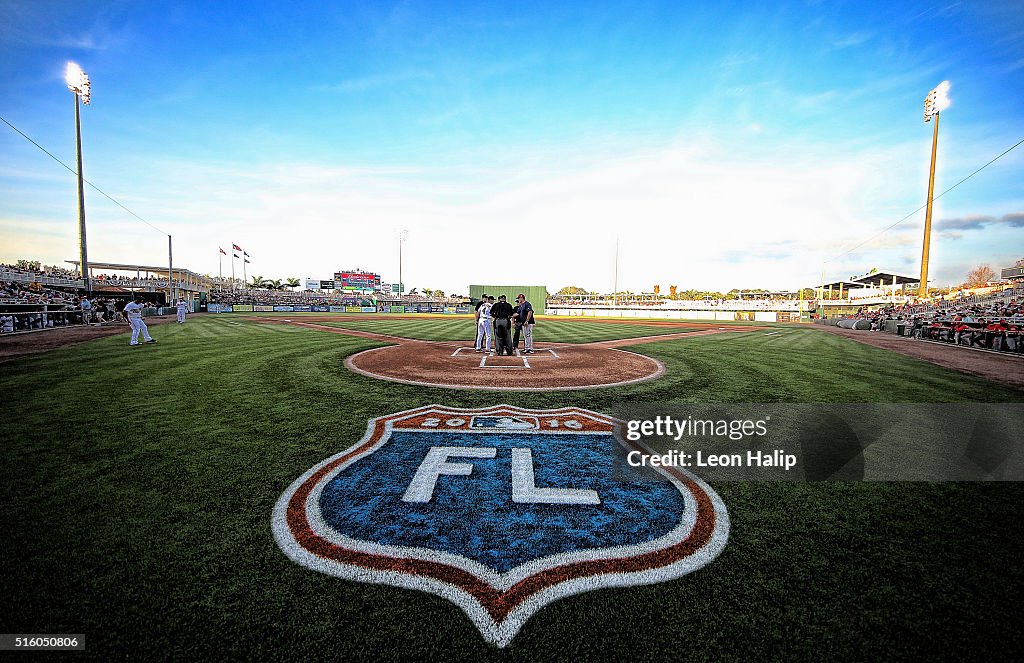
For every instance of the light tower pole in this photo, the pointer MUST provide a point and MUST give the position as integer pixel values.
(937, 100)
(615, 280)
(78, 83)
(401, 284)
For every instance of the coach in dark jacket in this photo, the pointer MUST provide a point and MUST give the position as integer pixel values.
(502, 314)
(524, 322)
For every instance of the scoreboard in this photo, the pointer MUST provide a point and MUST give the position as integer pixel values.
(356, 280)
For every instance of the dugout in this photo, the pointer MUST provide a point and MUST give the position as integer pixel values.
(535, 294)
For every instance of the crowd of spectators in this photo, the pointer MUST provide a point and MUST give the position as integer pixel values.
(12, 292)
(761, 304)
(66, 310)
(29, 270)
(34, 268)
(264, 297)
(270, 297)
(994, 322)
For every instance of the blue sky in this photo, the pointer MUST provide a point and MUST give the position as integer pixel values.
(724, 144)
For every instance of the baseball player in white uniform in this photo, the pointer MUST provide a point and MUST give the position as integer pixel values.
(182, 307)
(484, 327)
(133, 311)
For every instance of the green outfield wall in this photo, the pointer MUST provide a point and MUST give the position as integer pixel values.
(535, 294)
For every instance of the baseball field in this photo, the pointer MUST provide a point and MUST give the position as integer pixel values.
(139, 486)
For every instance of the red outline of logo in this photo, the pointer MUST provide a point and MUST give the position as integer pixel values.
(497, 603)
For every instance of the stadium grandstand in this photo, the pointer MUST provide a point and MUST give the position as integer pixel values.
(991, 321)
(35, 297)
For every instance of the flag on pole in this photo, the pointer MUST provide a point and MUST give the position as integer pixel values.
(222, 251)
(246, 254)
(236, 247)
(234, 255)
(247, 262)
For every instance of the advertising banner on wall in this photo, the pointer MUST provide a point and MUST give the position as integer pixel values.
(320, 309)
(262, 307)
(353, 309)
(369, 309)
(336, 309)
(242, 308)
(283, 308)
(213, 308)
(302, 309)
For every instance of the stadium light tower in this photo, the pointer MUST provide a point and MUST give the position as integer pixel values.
(937, 100)
(78, 83)
(402, 235)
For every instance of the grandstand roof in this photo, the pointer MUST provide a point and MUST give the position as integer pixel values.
(134, 268)
(846, 285)
(877, 277)
(872, 279)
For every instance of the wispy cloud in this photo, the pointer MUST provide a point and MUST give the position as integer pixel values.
(375, 81)
(734, 60)
(35, 23)
(83, 42)
(973, 222)
(852, 39)
(978, 222)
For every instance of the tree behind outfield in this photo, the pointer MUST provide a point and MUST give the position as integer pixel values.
(980, 276)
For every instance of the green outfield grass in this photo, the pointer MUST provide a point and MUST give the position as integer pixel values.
(547, 329)
(138, 485)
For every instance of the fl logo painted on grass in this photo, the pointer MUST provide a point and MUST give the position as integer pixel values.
(499, 510)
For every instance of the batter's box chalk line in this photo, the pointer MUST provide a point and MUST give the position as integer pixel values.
(519, 353)
(483, 362)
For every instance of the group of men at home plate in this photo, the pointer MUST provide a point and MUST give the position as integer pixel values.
(496, 320)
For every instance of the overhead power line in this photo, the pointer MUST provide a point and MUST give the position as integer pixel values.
(74, 172)
(882, 232)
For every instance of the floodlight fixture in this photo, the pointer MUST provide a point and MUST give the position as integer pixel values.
(78, 82)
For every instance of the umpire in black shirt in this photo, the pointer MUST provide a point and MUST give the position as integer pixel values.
(502, 314)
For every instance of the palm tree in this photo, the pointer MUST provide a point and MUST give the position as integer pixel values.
(259, 282)
(292, 282)
(275, 284)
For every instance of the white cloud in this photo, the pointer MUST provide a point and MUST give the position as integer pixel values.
(706, 217)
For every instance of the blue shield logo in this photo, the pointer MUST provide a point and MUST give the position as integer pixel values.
(500, 510)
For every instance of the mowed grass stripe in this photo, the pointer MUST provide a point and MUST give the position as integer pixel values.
(463, 328)
(805, 366)
(138, 485)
